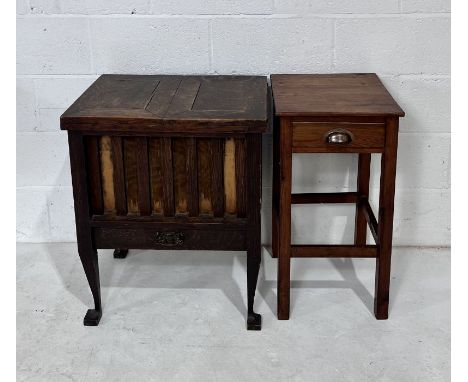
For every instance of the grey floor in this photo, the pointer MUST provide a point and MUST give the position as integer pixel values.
(179, 316)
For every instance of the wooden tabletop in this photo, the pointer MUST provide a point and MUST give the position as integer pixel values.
(332, 95)
(171, 103)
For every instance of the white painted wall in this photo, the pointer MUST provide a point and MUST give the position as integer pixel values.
(63, 45)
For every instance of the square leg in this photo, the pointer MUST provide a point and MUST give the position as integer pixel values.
(385, 225)
(284, 218)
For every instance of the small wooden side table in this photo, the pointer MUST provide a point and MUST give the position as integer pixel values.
(168, 162)
(342, 113)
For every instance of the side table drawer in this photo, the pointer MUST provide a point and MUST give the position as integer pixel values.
(338, 137)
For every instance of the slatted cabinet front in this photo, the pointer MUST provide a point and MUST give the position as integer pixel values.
(166, 177)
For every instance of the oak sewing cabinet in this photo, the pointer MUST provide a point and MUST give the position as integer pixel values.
(335, 113)
(168, 162)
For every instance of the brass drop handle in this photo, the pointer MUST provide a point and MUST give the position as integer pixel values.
(169, 239)
(339, 137)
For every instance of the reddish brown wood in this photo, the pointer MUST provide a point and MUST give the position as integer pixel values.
(313, 135)
(284, 219)
(336, 197)
(332, 95)
(370, 219)
(276, 189)
(363, 176)
(385, 228)
(334, 251)
(365, 116)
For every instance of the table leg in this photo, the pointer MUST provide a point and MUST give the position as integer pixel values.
(86, 250)
(284, 218)
(120, 253)
(275, 191)
(254, 248)
(89, 260)
(363, 177)
(385, 225)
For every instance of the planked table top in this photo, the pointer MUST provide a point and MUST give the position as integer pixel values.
(170, 103)
(332, 95)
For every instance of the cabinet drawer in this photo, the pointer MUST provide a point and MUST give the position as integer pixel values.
(169, 238)
(338, 137)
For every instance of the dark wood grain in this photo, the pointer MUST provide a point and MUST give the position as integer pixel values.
(131, 177)
(337, 197)
(94, 174)
(284, 219)
(311, 107)
(156, 178)
(241, 172)
(385, 228)
(86, 248)
(179, 155)
(363, 176)
(191, 168)
(334, 251)
(254, 247)
(192, 104)
(204, 176)
(119, 176)
(167, 177)
(170, 162)
(332, 95)
(143, 176)
(217, 180)
(313, 136)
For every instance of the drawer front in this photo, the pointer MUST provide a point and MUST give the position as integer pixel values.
(169, 239)
(338, 137)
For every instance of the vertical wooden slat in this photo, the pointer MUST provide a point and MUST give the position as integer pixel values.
(167, 176)
(204, 176)
(155, 160)
(107, 173)
(94, 174)
(119, 176)
(230, 176)
(192, 177)
(179, 160)
(131, 168)
(240, 177)
(217, 181)
(144, 198)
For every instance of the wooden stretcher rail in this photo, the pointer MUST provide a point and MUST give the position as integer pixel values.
(371, 220)
(367, 251)
(337, 197)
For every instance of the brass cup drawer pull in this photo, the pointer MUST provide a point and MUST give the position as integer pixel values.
(169, 239)
(339, 137)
